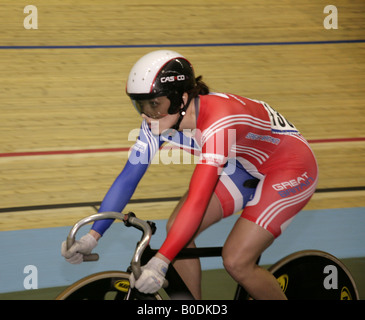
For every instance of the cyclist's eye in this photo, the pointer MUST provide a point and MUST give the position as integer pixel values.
(154, 104)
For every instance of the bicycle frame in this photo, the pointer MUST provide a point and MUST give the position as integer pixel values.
(305, 268)
(144, 252)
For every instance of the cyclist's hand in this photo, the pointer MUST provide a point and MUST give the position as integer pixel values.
(152, 277)
(81, 247)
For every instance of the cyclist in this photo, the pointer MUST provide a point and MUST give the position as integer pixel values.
(250, 158)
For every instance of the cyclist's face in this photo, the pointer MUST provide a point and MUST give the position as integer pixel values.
(156, 108)
(155, 112)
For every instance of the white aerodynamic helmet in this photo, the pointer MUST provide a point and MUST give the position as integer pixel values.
(161, 73)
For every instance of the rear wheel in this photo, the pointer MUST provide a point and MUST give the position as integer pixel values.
(314, 275)
(108, 285)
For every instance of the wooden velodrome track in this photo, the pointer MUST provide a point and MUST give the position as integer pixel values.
(65, 117)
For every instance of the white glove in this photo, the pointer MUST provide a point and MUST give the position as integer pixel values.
(81, 247)
(152, 277)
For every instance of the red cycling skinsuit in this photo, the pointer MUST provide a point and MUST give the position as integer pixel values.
(249, 134)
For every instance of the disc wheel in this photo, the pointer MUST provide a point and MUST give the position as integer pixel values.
(315, 275)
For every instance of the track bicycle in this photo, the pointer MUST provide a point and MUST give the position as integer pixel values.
(307, 274)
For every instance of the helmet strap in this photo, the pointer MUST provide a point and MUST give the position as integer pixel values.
(182, 113)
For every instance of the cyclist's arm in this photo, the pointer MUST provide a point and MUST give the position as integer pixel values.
(125, 184)
(202, 184)
(214, 154)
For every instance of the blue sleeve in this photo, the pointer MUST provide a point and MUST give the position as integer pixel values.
(125, 184)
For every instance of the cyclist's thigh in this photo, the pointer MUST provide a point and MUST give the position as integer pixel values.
(279, 197)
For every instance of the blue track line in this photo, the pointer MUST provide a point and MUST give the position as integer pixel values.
(185, 45)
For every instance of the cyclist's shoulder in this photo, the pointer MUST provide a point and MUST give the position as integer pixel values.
(224, 110)
(219, 105)
(227, 98)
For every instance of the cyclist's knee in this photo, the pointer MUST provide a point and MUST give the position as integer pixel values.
(238, 267)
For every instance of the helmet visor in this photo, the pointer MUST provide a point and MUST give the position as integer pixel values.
(155, 108)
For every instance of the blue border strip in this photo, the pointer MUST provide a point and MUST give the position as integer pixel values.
(340, 232)
(186, 45)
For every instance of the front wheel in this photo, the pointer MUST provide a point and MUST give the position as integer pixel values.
(314, 275)
(108, 285)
